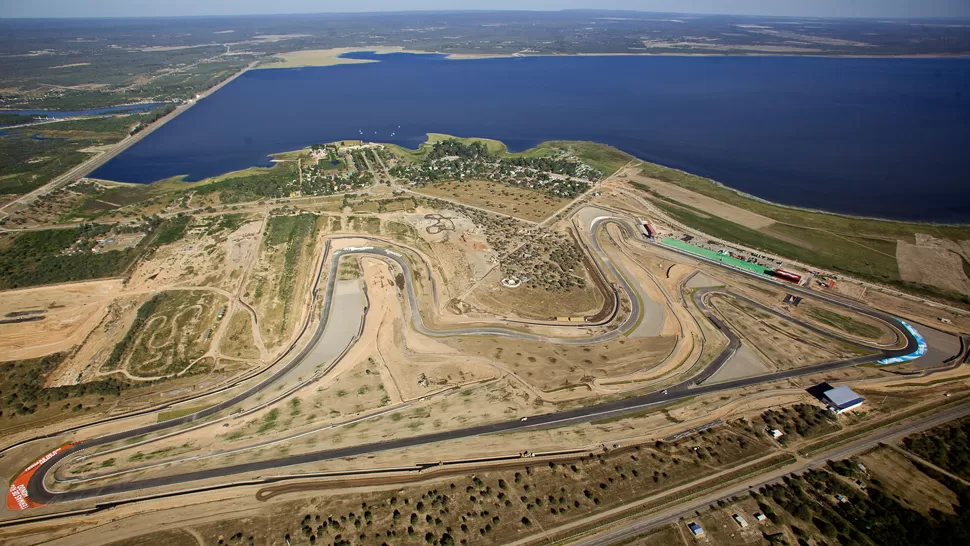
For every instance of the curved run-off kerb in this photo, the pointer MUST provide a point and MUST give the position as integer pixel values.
(920, 348)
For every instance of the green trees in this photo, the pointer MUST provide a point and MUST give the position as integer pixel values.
(947, 446)
(454, 147)
(22, 389)
(63, 255)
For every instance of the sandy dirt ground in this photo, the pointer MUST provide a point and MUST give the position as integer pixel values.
(702, 281)
(744, 363)
(418, 365)
(459, 249)
(238, 342)
(932, 265)
(781, 344)
(84, 363)
(71, 312)
(528, 303)
(716, 208)
(550, 366)
(657, 317)
(200, 259)
(807, 309)
(329, 57)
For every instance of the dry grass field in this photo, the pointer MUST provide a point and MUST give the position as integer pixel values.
(933, 265)
(783, 344)
(550, 366)
(522, 203)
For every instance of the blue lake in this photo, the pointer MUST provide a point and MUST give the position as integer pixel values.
(875, 137)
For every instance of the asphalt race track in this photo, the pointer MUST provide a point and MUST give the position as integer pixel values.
(38, 493)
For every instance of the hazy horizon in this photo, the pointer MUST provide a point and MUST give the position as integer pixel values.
(890, 9)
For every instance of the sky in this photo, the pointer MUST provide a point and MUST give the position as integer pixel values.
(800, 8)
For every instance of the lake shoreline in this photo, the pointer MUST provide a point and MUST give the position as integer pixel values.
(811, 133)
(310, 58)
(439, 136)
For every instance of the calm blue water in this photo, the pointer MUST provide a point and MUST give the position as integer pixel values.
(144, 107)
(876, 137)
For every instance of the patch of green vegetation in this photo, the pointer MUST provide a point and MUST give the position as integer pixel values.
(146, 310)
(863, 247)
(172, 230)
(286, 229)
(43, 257)
(295, 231)
(859, 256)
(35, 257)
(328, 165)
(14, 119)
(603, 158)
(845, 323)
(127, 194)
(805, 420)
(231, 222)
(269, 421)
(805, 504)
(177, 314)
(252, 184)
(365, 224)
(493, 147)
(947, 446)
(22, 390)
(349, 269)
(32, 156)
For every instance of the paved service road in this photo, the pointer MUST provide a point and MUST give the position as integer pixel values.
(38, 492)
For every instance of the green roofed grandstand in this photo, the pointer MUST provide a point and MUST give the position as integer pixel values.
(711, 255)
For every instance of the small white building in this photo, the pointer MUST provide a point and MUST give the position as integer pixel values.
(760, 517)
(740, 521)
(696, 529)
(842, 399)
(775, 433)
